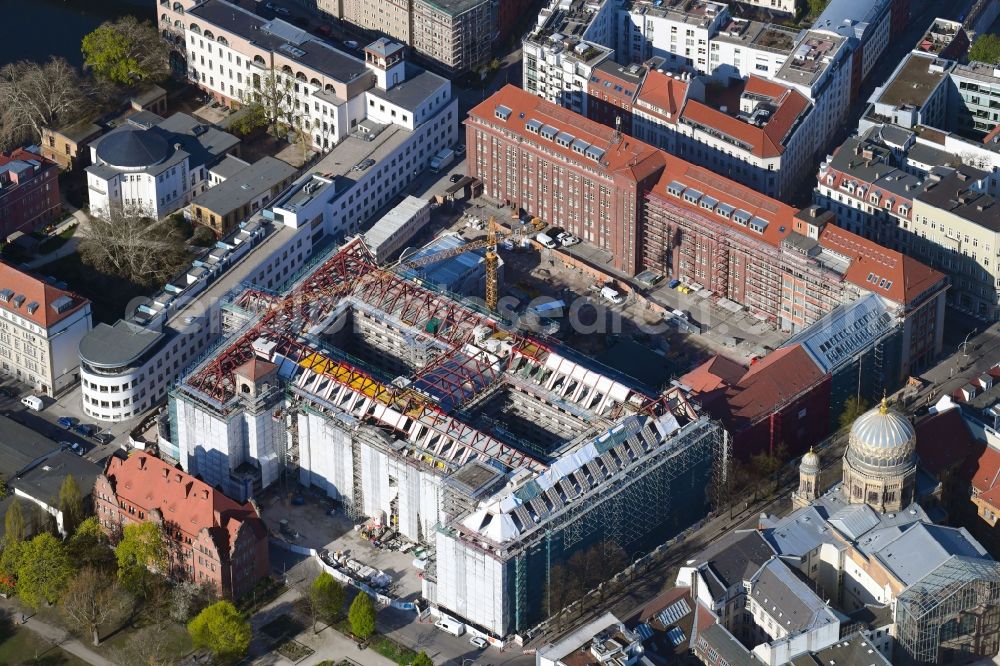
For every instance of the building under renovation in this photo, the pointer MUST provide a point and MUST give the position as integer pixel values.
(419, 411)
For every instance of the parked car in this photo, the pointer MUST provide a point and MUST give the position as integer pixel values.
(460, 150)
(104, 437)
(567, 239)
(455, 177)
(546, 240)
(8, 392)
(351, 44)
(673, 283)
(555, 232)
(66, 422)
(85, 429)
(364, 164)
(612, 295)
(479, 642)
(33, 402)
(281, 10)
(269, 5)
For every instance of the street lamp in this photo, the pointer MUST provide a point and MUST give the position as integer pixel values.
(965, 343)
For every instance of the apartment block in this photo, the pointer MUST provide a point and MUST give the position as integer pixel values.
(392, 18)
(458, 34)
(29, 192)
(210, 538)
(41, 327)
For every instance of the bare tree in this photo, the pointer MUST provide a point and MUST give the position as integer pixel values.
(270, 100)
(34, 96)
(132, 247)
(150, 647)
(92, 599)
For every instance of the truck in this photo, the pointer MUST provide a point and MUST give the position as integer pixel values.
(442, 159)
(451, 625)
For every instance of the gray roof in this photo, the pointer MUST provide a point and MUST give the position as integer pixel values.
(21, 447)
(880, 171)
(411, 93)
(787, 599)
(924, 154)
(131, 147)
(726, 645)
(454, 7)
(851, 17)
(385, 47)
(43, 481)
(734, 558)
(954, 193)
(853, 650)
(229, 167)
(922, 548)
(115, 346)
(272, 35)
(245, 186)
(913, 82)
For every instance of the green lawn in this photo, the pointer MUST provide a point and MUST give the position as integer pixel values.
(23, 646)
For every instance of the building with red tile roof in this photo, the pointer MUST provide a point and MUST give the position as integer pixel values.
(781, 403)
(42, 328)
(29, 192)
(211, 538)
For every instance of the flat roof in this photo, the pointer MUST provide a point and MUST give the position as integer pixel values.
(914, 82)
(455, 7)
(20, 447)
(245, 186)
(44, 481)
(392, 221)
(414, 90)
(813, 55)
(115, 346)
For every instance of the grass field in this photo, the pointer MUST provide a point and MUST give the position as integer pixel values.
(23, 646)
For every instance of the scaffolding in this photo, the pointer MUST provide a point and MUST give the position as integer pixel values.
(952, 614)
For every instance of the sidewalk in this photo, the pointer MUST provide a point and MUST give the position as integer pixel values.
(57, 636)
(328, 643)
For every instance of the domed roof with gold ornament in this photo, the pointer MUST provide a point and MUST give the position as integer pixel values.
(882, 441)
(810, 462)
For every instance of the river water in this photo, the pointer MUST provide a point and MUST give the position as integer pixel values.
(36, 29)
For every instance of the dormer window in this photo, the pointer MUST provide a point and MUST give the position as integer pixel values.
(502, 112)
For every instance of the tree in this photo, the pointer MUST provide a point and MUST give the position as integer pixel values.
(125, 51)
(247, 119)
(187, 599)
(362, 616)
(44, 570)
(140, 549)
(70, 504)
(127, 245)
(34, 96)
(986, 49)
(92, 599)
(10, 560)
(221, 629)
(202, 236)
(326, 595)
(268, 101)
(13, 523)
(89, 546)
(853, 408)
(422, 660)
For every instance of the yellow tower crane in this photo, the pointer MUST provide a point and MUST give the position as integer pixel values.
(494, 234)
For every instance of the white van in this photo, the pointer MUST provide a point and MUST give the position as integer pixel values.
(451, 625)
(33, 402)
(546, 240)
(612, 295)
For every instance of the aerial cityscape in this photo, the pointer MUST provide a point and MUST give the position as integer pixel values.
(500, 333)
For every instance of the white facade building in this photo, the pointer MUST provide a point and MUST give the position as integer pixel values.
(395, 229)
(153, 165)
(40, 329)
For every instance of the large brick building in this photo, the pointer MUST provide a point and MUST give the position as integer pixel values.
(565, 169)
(211, 538)
(29, 192)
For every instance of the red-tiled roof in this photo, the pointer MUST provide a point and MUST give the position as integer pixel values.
(715, 373)
(943, 440)
(622, 153)
(994, 134)
(878, 269)
(983, 467)
(255, 368)
(35, 300)
(778, 215)
(664, 92)
(192, 504)
(778, 377)
(604, 83)
(767, 140)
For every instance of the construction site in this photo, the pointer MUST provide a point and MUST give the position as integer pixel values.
(502, 455)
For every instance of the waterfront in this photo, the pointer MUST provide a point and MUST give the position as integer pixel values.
(40, 28)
